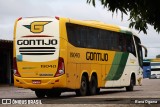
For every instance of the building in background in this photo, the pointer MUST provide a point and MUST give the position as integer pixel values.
(6, 56)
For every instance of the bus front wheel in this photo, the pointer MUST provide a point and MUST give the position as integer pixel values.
(131, 86)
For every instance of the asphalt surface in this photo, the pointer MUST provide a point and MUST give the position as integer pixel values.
(146, 94)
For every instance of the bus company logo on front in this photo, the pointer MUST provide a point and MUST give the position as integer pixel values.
(37, 26)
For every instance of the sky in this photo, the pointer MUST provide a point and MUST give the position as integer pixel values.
(77, 9)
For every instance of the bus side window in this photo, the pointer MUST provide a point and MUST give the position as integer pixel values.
(71, 33)
(120, 42)
(133, 47)
(115, 42)
(139, 51)
(128, 43)
(83, 36)
(92, 38)
(78, 35)
(103, 39)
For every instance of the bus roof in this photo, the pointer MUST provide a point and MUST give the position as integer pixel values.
(99, 24)
(94, 23)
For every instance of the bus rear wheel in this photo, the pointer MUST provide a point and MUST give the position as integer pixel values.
(93, 86)
(83, 88)
(40, 93)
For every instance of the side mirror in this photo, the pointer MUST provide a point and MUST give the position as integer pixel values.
(146, 52)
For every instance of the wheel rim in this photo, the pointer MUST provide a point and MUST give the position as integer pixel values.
(83, 86)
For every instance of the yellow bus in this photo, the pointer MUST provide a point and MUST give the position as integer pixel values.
(54, 54)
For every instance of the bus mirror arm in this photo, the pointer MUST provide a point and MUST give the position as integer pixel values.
(146, 52)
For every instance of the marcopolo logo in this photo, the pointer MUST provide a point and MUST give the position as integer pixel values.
(37, 26)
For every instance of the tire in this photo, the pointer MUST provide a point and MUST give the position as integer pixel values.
(93, 84)
(131, 86)
(53, 93)
(83, 88)
(98, 90)
(40, 93)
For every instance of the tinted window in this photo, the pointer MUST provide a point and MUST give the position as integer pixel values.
(155, 69)
(155, 64)
(139, 51)
(72, 34)
(104, 40)
(92, 38)
(146, 63)
(130, 47)
(88, 37)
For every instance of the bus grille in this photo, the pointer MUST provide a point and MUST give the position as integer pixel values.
(37, 50)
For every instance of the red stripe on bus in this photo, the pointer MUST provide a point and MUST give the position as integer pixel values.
(36, 36)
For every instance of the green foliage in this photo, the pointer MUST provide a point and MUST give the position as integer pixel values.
(142, 12)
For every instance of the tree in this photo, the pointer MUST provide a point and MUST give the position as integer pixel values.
(142, 12)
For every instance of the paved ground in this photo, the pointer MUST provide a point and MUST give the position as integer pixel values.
(149, 89)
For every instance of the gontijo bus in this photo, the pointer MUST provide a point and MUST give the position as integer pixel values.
(53, 55)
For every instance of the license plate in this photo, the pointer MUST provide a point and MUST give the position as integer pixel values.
(36, 81)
